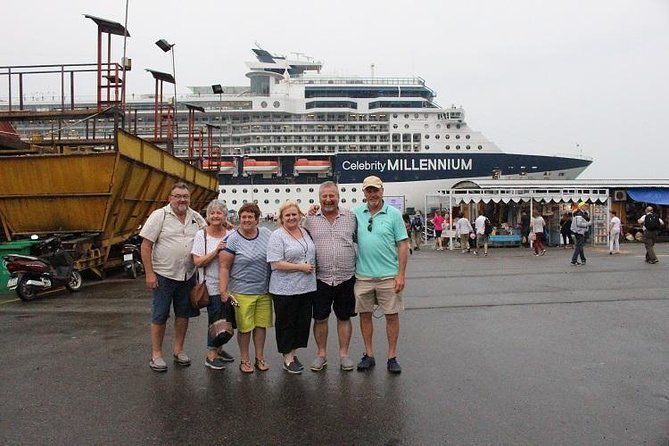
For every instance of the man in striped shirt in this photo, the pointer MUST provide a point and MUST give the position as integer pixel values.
(333, 230)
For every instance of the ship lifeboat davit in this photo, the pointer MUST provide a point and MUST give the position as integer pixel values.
(225, 167)
(304, 165)
(253, 166)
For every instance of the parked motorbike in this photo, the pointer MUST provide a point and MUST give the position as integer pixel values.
(132, 258)
(52, 268)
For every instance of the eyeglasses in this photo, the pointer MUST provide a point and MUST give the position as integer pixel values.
(181, 197)
(369, 224)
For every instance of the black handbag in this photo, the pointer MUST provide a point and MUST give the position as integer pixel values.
(223, 327)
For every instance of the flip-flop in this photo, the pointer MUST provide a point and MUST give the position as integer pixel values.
(245, 366)
(261, 365)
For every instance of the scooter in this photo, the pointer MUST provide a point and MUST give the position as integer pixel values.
(53, 268)
(132, 259)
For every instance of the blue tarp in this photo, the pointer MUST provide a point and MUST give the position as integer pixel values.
(654, 195)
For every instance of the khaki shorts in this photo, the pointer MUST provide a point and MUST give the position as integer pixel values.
(381, 292)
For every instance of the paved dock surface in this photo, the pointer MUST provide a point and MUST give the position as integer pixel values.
(508, 349)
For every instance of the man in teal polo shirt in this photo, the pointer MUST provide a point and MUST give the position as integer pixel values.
(383, 247)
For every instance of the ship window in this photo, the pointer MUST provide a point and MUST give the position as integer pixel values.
(457, 147)
(234, 201)
(222, 191)
(457, 136)
(457, 126)
(354, 200)
(276, 104)
(448, 147)
(244, 201)
(343, 200)
(343, 189)
(277, 201)
(353, 189)
(234, 191)
(298, 190)
(468, 147)
(394, 126)
(255, 191)
(406, 126)
(406, 115)
(438, 126)
(427, 147)
(266, 191)
(244, 191)
(299, 200)
(287, 190)
(311, 200)
(466, 136)
(480, 147)
(427, 136)
(277, 190)
(416, 137)
(311, 189)
(427, 126)
(394, 115)
(263, 104)
(266, 201)
(448, 126)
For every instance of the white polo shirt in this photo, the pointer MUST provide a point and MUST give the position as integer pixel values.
(172, 241)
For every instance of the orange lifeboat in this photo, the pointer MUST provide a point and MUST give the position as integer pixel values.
(304, 165)
(225, 167)
(254, 166)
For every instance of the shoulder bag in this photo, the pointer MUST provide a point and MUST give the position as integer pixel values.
(199, 296)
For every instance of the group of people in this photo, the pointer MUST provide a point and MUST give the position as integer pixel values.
(331, 259)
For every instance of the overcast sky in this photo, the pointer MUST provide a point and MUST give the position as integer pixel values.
(568, 76)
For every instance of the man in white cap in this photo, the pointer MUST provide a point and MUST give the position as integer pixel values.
(652, 223)
(383, 250)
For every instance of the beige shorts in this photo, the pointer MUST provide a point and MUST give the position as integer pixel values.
(381, 292)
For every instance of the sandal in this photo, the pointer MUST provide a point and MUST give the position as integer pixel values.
(261, 365)
(245, 366)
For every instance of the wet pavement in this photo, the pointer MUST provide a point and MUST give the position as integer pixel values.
(506, 349)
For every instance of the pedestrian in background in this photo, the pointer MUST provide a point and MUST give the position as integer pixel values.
(462, 229)
(565, 230)
(652, 223)
(438, 222)
(166, 253)
(482, 225)
(417, 228)
(538, 229)
(614, 234)
(579, 226)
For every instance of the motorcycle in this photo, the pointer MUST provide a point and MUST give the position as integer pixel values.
(132, 259)
(52, 268)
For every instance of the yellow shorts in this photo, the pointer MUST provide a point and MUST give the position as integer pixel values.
(254, 310)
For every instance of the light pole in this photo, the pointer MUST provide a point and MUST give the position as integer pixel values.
(166, 46)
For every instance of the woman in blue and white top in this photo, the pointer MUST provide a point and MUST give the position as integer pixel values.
(244, 277)
(292, 255)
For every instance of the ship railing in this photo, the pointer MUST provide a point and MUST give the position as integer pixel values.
(340, 80)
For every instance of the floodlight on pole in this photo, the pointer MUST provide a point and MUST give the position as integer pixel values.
(166, 46)
(218, 89)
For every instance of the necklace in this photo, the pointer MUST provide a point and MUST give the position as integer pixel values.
(305, 246)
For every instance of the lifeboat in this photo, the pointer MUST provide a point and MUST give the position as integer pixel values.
(304, 165)
(252, 166)
(225, 167)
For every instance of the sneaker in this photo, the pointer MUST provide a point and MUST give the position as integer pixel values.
(575, 264)
(536, 255)
(297, 361)
(182, 359)
(225, 356)
(610, 253)
(366, 363)
(417, 248)
(394, 366)
(485, 254)
(543, 251)
(292, 368)
(346, 364)
(476, 253)
(582, 262)
(158, 365)
(318, 363)
(214, 364)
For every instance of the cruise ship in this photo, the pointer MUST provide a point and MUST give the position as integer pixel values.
(292, 128)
